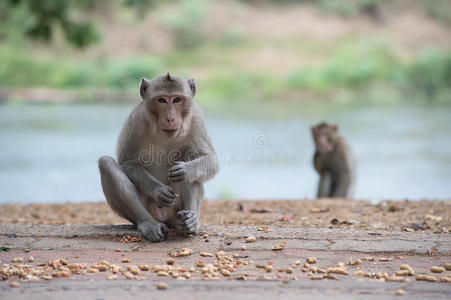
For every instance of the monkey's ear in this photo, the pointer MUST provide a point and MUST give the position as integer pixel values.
(334, 128)
(144, 87)
(192, 86)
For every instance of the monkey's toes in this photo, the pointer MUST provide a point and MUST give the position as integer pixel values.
(154, 232)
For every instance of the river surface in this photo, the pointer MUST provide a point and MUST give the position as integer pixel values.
(48, 152)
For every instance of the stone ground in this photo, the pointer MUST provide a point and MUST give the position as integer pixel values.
(55, 248)
(420, 216)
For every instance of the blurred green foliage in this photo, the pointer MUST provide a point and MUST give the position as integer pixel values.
(438, 9)
(431, 73)
(19, 69)
(355, 63)
(38, 19)
(187, 23)
(352, 66)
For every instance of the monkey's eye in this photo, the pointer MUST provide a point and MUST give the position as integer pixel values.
(176, 100)
(161, 100)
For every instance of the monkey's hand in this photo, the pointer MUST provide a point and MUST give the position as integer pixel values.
(164, 196)
(179, 172)
(188, 221)
(154, 232)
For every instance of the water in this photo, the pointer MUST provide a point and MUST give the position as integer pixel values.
(48, 153)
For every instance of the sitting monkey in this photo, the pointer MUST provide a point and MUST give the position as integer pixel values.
(164, 156)
(334, 162)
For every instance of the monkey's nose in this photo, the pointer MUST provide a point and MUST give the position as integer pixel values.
(170, 119)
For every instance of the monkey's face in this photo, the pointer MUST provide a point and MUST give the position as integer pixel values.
(324, 137)
(170, 112)
(168, 102)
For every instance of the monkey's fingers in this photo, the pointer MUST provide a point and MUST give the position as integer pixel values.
(166, 200)
(164, 229)
(191, 228)
(169, 194)
(169, 191)
(183, 214)
(186, 218)
(190, 221)
(177, 172)
(177, 178)
(176, 167)
(161, 236)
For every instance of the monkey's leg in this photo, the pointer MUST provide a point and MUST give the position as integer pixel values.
(188, 218)
(325, 185)
(124, 200)
(342, 185)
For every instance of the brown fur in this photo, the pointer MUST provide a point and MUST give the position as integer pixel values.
(334, 162)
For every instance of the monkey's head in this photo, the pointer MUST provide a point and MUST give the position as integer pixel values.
(325, 137)
(168, 101)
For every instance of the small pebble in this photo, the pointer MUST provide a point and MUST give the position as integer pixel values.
(338, 270)
(17, 260)
(170, 261)
(14, 284)
(435, 269)
(425, 277)
(31, 259)
(162, 285)
(311, 260)
(251, 239)
(126, 260)
(407, 268)
(400, 292)
(102, 268)
(402, 273)
(93, 270)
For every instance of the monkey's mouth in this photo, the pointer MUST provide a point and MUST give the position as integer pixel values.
(170, 132)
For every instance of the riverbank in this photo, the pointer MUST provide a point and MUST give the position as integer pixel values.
(408, 216)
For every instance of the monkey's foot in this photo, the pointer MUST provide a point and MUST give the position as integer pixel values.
(188, 221)
(154, 232)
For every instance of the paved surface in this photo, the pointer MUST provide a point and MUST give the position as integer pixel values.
(90, 244)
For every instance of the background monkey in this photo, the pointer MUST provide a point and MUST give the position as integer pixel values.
(334, 162)
(164, 156)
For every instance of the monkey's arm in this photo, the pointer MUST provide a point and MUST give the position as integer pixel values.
(324, 185)
(200, 163)
(148, 184)
(343, 170)
(317, 162)
(342, 185)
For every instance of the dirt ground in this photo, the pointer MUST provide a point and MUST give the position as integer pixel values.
(410, 216)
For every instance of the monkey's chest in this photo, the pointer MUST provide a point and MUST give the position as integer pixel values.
(160, 170)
